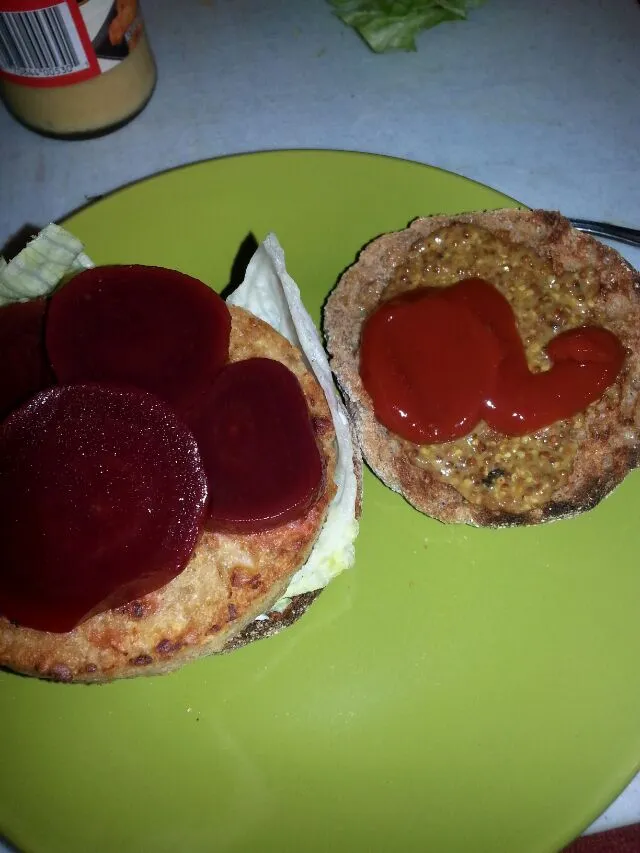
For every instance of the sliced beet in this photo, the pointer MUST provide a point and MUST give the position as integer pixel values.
(258, 447)
(153, 328)
(102, 497)
(25, 366)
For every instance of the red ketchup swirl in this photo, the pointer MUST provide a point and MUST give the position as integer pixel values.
(436, 361)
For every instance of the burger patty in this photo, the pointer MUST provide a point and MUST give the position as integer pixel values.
(229, 581)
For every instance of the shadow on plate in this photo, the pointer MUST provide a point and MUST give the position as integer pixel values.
(244, 254)
(19, 240)
(8, 845)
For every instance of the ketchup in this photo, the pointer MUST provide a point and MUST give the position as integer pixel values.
(436, 361)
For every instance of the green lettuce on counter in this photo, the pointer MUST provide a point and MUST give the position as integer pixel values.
(393, 24)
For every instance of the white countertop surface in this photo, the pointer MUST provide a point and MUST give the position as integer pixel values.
(536, 98)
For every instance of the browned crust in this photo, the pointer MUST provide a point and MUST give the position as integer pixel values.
(357, 466)
(274, 623)
(229, 581)
(612, 444)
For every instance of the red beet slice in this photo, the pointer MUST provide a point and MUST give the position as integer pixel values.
(258, 447)
(149, 327)
(25, 367)
(102, 497)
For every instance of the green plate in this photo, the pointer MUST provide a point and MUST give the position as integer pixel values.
(458, 690)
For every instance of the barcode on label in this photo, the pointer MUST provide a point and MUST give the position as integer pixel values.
(42, 43)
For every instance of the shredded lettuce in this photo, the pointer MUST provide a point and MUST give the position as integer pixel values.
(37, 270)
(269, 292)
(387, 25)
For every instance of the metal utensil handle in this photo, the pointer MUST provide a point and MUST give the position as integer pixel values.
(606, 229)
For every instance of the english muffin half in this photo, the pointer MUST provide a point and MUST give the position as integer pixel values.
(555, 279)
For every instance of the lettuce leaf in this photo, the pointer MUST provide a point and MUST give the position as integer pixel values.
(38, 269)
(387, 25)
(269, 292)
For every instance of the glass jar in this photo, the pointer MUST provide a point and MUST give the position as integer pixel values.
(74, 68)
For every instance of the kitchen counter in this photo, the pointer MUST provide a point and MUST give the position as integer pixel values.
(537, 99)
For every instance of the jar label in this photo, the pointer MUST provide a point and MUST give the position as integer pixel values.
(57, 42)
